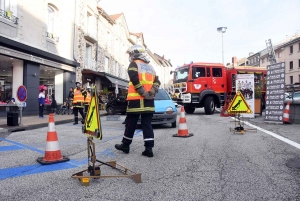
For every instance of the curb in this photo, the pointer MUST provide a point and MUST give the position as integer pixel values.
(36, 126)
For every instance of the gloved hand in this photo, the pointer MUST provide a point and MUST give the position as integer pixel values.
(144, 93)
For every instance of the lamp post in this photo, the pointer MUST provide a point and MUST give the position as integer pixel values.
(222, 30)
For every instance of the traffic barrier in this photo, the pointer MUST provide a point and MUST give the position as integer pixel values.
(182, 128)
(286, 114)
(52, 152)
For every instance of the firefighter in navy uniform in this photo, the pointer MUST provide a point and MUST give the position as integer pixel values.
(142, 88)
(87, 100)
(78, 102)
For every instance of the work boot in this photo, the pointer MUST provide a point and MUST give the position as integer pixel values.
(148, 152)
(123, 147)
(75, 121)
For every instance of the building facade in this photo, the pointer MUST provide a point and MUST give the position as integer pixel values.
(36, 48)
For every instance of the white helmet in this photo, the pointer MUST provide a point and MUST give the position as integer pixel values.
(137, 52)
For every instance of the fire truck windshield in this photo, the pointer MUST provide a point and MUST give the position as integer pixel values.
(181, 74)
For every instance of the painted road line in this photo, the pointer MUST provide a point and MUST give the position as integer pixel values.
(10, 148)
(290, 142)
(23, 146)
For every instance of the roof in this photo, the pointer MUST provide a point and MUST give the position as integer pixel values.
(105, 15)
(162, 60)
(116, 16)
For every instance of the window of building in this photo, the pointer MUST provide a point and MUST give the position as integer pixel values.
(299, 47)
(291, 79)
(106, 64)
(217, 72)
(116, 69)
(291, 49)
(299, 63)
(88, 55)
(267, 58)
(5, 5)
(291, 65)
(263, 60)
(88, 22)
(279, 55)
(198, 72)
(51, 19)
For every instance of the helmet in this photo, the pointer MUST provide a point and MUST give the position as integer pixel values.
(78, 84)
(137, 52)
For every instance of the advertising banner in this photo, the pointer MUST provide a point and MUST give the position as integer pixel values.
(245, 84)
(275, 92)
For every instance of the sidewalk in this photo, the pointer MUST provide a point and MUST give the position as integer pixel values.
(33, 122)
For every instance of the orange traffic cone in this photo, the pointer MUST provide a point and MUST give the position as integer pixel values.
(182, 128)
(52, 152)
(286, 114)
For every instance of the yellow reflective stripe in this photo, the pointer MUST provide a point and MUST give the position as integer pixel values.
(133, 95)
(143, 76)
(142, 82)
(142, 105)
(137, 86)
(132, 68)
(140, 109)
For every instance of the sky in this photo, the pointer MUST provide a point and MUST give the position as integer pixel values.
(186, 30)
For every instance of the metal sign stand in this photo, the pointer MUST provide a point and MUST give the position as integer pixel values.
(94, 170)
(239, 125)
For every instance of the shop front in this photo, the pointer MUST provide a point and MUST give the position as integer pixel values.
(107, 84)
(21, 64)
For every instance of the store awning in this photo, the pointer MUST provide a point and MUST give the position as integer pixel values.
(121, 84)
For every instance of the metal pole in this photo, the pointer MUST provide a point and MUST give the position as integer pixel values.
(222, 49)
(21, 108)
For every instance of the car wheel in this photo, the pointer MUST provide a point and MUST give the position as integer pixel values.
(110, 110)
(189, 109)
(209, 105)
(174, 124)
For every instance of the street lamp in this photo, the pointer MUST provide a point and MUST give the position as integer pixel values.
(222, 30)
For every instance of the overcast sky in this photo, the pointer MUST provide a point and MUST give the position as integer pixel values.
(186, 30)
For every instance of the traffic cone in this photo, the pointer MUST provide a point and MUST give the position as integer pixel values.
(286, 114)
(182, 128)
(52, 152)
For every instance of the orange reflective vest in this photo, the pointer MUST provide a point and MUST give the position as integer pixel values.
(78, 97)
(146, 77)
(87, 98)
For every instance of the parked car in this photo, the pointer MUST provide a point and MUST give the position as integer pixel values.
(165, 110)
(295, 96)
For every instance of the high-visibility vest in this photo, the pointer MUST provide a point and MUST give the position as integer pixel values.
(146, 77)
(78, 97)
(87, 98)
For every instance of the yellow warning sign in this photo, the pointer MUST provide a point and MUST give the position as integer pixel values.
(92, 124)
(239, 105)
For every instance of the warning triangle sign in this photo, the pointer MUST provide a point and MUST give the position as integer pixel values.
(92, 124)
(239, 105)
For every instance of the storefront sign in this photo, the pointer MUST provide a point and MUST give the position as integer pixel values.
(275, 92)
(28, 57)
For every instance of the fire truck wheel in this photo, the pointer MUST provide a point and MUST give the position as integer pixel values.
(209, 105)
(189, 109)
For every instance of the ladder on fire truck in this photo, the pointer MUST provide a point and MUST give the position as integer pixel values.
(227, 101)
(271, 52)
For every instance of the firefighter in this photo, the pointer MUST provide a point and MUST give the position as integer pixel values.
(87, 100)
(78, 102)
(141, 91)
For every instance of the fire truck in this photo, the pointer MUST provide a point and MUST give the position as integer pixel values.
(207, 85)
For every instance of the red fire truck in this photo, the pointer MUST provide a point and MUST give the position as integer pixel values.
(207, 85)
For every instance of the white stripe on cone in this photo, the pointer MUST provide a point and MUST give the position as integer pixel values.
(285, 115)
(182, 115)
(52, 146)
(182, 127)
(51, 127)
(287, 107)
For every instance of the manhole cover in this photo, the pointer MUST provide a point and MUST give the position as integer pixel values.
(293, 163)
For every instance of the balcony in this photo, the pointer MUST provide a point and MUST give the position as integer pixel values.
(52, 37)
(90, 36)
(8, 15)
(91, 64)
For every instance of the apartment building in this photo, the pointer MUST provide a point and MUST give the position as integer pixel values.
(102, 42)
(36, 48)
(287, 51)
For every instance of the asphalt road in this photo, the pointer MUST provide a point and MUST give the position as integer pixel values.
(214, 164)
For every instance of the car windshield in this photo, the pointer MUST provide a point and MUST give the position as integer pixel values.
(162, 95)
(181, 74)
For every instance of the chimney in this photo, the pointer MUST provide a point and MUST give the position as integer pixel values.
(234, 61)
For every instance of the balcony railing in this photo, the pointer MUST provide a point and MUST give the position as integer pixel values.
(8, 15)
(51, 36)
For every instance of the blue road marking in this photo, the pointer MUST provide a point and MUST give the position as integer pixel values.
(38, 168)
(10, 148)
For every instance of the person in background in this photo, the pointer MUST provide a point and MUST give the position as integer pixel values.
(87, 99)
(53, 104)
(78, 102)
(12, 101)
(41, 103)
(101, 103)
(142, 88)
(70, 100)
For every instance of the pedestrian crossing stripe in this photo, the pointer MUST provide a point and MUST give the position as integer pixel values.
(92, 124)
(239, 105)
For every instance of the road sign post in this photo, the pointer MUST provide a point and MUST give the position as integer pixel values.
(21, 96)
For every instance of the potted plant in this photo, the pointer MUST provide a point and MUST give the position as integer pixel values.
(258, 93)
